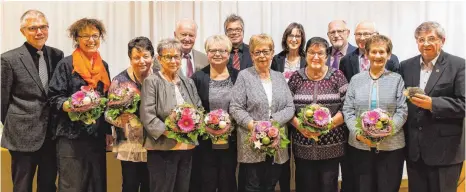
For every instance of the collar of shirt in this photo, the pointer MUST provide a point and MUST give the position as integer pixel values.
(190, 54)
(433, 61)
(32, 50)
(342, 51)
(240, 48)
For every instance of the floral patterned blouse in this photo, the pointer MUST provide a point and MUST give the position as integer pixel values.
(328, 92)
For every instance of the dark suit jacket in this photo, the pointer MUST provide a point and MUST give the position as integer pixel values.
(278, 62)
(349, 50)
(438, 136)
(245, 60)
(25, 112)
(349, 64)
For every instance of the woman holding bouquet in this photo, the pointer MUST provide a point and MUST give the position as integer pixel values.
(168, 161)
(214, 83)
(81, 144)
(378, 167)
(124, 97)
(317, 156)
(260, 94)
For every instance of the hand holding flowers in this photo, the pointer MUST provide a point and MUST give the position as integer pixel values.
(374, 125)
(314, 120)
(85, 105)
(267, 137)
(185, 124)
(218, 126)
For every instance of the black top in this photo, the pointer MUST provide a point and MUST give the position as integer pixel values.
(35, 57)
(278, 62)
(63, 84)
(244, 57)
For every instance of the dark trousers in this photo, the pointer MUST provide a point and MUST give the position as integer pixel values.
(169, 171)
(346, 173)
(24, 164)
(429, 178)
(218, 169)
(261, 177)
(376, 171)
(285, 176)
(135, 176)
(81, 164)
(318, 175)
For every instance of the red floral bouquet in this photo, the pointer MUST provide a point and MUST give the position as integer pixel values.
(218, 126)
(185, 124)
(267, 137)
(85, 105)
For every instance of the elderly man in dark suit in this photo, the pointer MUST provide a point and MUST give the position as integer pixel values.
(26, 71)
(356, 61)
(239, 56)
(434, 130)
(338, 34)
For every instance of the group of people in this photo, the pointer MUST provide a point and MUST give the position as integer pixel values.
(252, 84)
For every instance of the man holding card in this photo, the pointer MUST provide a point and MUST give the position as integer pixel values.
(434, 130)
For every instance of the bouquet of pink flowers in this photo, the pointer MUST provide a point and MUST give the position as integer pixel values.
(315, 118)
(267, 137)
(185, 124)
(218, 126)
(85, 105)
(375, 125)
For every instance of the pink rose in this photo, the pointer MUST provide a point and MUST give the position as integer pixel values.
(273, 132)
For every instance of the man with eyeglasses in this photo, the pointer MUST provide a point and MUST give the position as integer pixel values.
(191, 59)
(434, 130)
(25, 75)
(239, 56)
(338, 34)
(357, 60)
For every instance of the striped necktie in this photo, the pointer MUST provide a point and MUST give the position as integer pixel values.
(236, 63)
(44, 76)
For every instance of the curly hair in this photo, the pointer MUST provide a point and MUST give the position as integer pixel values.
(81, 24)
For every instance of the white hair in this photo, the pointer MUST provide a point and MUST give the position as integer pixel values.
(32, 13)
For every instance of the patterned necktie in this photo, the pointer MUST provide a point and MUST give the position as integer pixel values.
(336, 58)
(44, 76)
(365, 63)
(189, 72)
(236, 59)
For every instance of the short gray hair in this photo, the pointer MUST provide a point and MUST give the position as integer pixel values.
(220, 39)
(32, 13)
(430, 26)
(185, 20)
(233, 18)
(169, 43)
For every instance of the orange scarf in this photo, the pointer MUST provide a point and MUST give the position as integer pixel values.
(92, 74)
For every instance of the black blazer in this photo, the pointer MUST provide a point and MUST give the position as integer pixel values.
(25, 112)
(349, 50)
(201, 80)
(349, 64)
(278, 62)
(245, 60)
(438, 136)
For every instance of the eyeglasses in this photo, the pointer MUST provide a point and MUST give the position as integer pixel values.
(215, 51)
(34, 28)
(237, 30)
(169, 58)
(363, 34)
(335, 32)
(319, 54)
(87, 37)
(294, 36)
(266, 52)
(429, 40)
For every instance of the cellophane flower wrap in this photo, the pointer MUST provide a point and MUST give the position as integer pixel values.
(375, 125)
(185, 124)
(315, 118)
(85, 105)
(218, 126)
(123, 102)
(267, 137)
